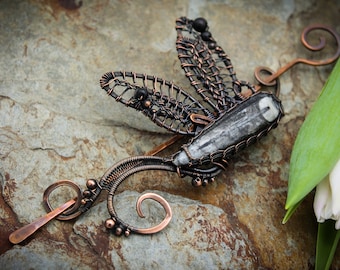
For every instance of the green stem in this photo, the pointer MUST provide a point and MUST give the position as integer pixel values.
(327, 242)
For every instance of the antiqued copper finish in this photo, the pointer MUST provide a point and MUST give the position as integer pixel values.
(91, 184)
(222, 100)
(224, 116)
(109, 223)
(70, 213)
(166, 207)
(164, 145)
(270, 80)
(21, 234)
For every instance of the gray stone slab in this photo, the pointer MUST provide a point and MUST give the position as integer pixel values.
(56, 123)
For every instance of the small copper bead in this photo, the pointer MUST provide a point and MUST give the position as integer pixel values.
(146, 103)
(196, 182)
(87, 194)
(91, 184)
(119, 231)
(127, 233)
(109, 223)
(83, 201)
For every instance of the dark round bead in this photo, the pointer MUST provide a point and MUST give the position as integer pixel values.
(87, 194)
(206, 35)
(200, 24)
(141, 94)
(212, 45)
(118, 231)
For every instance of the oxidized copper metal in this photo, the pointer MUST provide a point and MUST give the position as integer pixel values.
(166, 207)
(224, 116)
(24, 232)
(71, 213)
(270, 80)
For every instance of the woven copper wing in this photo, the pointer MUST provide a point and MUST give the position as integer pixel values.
(207, 67)
(163, 102)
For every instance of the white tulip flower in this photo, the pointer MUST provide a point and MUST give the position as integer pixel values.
(327, 197)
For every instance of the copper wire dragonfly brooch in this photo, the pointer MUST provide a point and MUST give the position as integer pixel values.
(224, 116)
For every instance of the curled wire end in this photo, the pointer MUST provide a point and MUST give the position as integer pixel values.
(119, 227)
(269, 80)
(162, 202)
(321, 45)
(262, 74)
(71, 213)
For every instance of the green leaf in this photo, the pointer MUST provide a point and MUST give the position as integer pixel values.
(327, 241)
(317, 146)
(290, 212)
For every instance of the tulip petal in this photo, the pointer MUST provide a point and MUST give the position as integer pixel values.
(337, 225)
(317, 146)
(334, 180)
(323, 201)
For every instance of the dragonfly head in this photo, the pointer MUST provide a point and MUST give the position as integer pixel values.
(268, 108)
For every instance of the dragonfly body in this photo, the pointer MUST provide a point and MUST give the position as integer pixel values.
(234, 130)
(224, 116)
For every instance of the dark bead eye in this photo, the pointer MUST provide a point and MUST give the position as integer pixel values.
(200, 24)
(141, 94)
(206, 35)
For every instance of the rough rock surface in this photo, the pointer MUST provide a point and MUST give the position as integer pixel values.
(56, 123)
